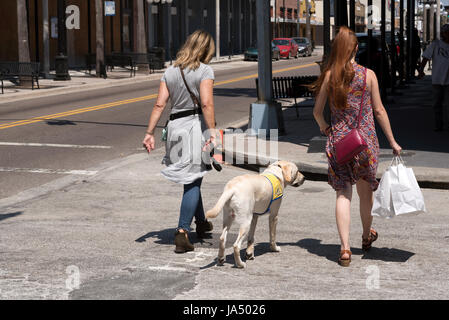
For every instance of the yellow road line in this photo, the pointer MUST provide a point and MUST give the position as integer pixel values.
(122, 102)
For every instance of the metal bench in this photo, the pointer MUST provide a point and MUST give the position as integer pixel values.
(290, 88)
(15, 71)
(120, 60)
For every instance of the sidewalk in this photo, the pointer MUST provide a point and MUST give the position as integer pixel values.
(411, 116)
(83, 81)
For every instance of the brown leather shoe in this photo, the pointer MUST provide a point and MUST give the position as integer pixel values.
(203, 227)
(366, 243)
(182, 242)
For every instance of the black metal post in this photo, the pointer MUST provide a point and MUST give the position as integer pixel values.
(121, 26)
(36, 29)
(401, 41)
(327, 29)
(393, 46)
(352, 14)
(89, 29)
(61, 62)
(408, 48)
(370, 34)
(384, 49)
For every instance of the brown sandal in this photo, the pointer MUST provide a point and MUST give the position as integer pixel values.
(344, 262)
(366, 243)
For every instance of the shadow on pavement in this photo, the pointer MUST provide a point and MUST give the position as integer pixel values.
(4, 216)
(167, 236)
(331, 251)
(235, 92)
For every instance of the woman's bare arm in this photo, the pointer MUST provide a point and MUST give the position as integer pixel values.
(207, 104)
(380, 113)
(161, 102)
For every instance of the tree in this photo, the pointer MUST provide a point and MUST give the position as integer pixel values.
(101, 69)
(141, 39)
(22, 30)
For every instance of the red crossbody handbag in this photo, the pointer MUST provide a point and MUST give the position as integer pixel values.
(353, 143)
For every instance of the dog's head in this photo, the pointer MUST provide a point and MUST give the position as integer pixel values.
(290, 173)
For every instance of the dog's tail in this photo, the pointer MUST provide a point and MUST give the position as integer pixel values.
(213, 213)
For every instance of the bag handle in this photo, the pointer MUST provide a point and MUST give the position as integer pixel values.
(195, 100)
(361, 102)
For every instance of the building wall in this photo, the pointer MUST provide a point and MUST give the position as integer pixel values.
(8, 23)
(167, 28)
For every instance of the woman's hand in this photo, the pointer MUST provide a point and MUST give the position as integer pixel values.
(396, 148)
(148, 142)
(325, 129)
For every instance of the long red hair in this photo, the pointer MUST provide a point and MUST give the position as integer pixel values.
(341, 71)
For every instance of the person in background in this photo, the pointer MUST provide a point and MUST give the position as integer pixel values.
(438, 52)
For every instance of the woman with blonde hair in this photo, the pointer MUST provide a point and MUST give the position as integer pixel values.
(189, 86)
(353, 95)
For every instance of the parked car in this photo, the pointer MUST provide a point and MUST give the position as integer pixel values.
(251, 54)
(288, 48)
(305, 47)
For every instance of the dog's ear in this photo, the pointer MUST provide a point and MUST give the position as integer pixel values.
(286, 171)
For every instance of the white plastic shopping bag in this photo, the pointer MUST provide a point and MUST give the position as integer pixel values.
(399, 193)
(383, 206)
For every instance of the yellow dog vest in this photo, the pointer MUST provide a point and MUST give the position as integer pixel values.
(276, 189)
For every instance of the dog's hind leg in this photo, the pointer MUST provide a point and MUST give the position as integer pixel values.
(244, 228)
(227, 222)
(250, 247)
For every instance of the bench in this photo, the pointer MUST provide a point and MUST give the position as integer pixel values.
(14, 71)
(123, 60)
(290, 88)
(120, 60)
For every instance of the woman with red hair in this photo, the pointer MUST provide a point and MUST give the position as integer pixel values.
(353, 95)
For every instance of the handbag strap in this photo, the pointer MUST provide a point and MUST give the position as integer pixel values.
(363, 96)
(195, 100)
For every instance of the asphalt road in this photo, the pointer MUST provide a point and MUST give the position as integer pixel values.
(77, 140)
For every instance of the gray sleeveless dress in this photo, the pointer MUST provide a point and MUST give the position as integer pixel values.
(185, 139)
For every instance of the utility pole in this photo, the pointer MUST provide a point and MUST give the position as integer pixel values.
(265, 114)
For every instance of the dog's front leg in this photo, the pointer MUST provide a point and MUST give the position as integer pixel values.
(273, 220)
(252, 229)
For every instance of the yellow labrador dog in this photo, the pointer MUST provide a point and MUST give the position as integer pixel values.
(248, 196)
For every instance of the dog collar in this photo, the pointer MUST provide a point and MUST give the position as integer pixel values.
(277, 191)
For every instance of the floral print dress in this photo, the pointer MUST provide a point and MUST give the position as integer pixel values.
(364, 165)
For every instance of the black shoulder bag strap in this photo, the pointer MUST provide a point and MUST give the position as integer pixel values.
(195, 100)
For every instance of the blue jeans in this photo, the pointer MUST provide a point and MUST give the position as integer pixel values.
(191, 205)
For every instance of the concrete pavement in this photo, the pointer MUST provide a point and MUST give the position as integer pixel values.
(411, 117)
(110, 236)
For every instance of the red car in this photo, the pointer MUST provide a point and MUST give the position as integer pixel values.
(287, 47)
